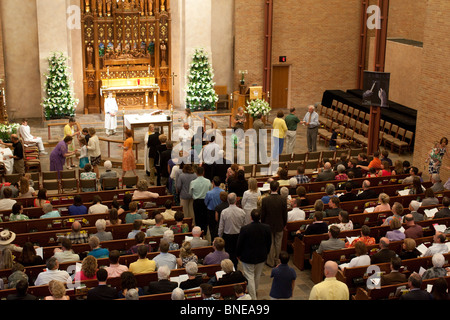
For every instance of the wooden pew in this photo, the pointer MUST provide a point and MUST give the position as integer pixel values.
(33, 271)
(389, 292)
(410, 265)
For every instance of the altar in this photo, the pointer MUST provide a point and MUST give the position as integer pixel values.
(132, 121)
(135, 93)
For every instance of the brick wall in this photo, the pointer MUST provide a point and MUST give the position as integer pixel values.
(434, 97)
(319, 38)
(406, 19)
(249, 41)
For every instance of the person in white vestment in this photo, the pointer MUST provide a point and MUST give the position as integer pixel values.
(6, 158)
(25, 134)
(111, 110)
(186, 133)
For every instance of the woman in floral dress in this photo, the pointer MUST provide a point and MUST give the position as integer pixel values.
(436, 156)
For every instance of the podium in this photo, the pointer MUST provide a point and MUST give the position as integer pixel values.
(241, 100)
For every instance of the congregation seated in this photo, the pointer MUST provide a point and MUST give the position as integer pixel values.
(25, 189)
(41, 198)
(334, 208)
(394, 276)
(384, 254)
(57, 290)
(437, 270)
(96, 250)
(409, 250)
(438, 245)
(165, 258)
(367, 192)
(412, 230)
(395, 234)
(113, 217)
(17, 213)
(17, 274)
(140, 241)
(194, 279)
(333, 243)
(49, 212)
(52, 273)
(218, 254)
(65, 253)
(349, 195)
(142, 191)
(142, 264)
(127, 282)
(330, 190)
(88, 174)
(327, 174)
(362, 258)
(345, 223)
(163, 284)
(169, 237)
(437, 186)
(133, 214)
(76, 236)
(108, 173)
(28, 256)
(296, 213)
(445, 211)
(88, 269)
(364, 237)
(197, 240)
(97, 206)
(77, 208)
(158, 229)
(21, 292)
(7, 202)
(414, 205)
(429, 199)
(229, 275)
(115, 269)
(102, 291)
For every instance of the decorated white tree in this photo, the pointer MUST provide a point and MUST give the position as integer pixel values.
(59, 101)
(200, 93)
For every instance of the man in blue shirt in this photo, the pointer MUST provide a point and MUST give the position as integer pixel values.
(212, 200)
(283, 279)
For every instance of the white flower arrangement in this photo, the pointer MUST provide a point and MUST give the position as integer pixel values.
(258, 106)
(59, 102)
(7, 129)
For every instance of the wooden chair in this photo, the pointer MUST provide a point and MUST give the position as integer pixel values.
(224, 98)
(51, 185)
(129, 181)
(299, 157)
(69, 184)
(49, 175)
(401, 143)
(67, 174)
(88, 184)
(110, 183)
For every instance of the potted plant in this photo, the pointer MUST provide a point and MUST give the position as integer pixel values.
(242, 86)
(258, 106)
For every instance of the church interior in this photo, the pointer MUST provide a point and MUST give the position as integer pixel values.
(288, 54)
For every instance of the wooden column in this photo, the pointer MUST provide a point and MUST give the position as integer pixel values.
(380, 57)
(362, 44)
(268, 13)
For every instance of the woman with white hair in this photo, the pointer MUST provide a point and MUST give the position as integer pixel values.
(229, 274)
(341, 173)
(194, 279)
(437, 270)
(250, 199)
(101, 234)
(177, 294)
(168, 235)
(109, 173)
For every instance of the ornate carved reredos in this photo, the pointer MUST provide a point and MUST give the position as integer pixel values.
(125, 39)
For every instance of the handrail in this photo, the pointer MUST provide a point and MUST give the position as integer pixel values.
(109, 141)
(214, 123)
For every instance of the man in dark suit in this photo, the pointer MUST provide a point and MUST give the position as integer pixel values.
(415, 291)
(152, 145)
(384, 254)
(253, 246)
(444, 212)
(163, 284)
(274, 213)
(395, 276)
(327, 174)
(21, 292)
(367, 192)
(102, 291)
(349, 195)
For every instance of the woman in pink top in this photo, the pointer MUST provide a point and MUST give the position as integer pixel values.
(142, 191)
(88, 269)
(384, 205)
(385, 170)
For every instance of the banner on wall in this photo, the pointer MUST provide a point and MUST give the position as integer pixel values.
(376, 89)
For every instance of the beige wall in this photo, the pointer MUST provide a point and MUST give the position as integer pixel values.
(404, 63)
(20, 41)
(2, 63)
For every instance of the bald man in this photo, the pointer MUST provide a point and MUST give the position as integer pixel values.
(327, 174)
(311, 121)
(76, 236)
(384, 254)
(330, 288)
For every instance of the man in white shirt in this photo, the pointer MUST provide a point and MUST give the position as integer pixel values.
(438, 246)
(296, 213)
(52, 273)
(25, 134)
(231, 221)
(97, 206)
(111, 110)
(311, 120)
(186, 133)
(6, 203)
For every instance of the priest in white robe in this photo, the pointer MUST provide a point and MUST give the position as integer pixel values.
(6, 158)
(28, 138)
(111, 110)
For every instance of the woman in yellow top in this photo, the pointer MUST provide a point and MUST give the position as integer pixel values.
(69, 130)
(278, 136)
(128, 162)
